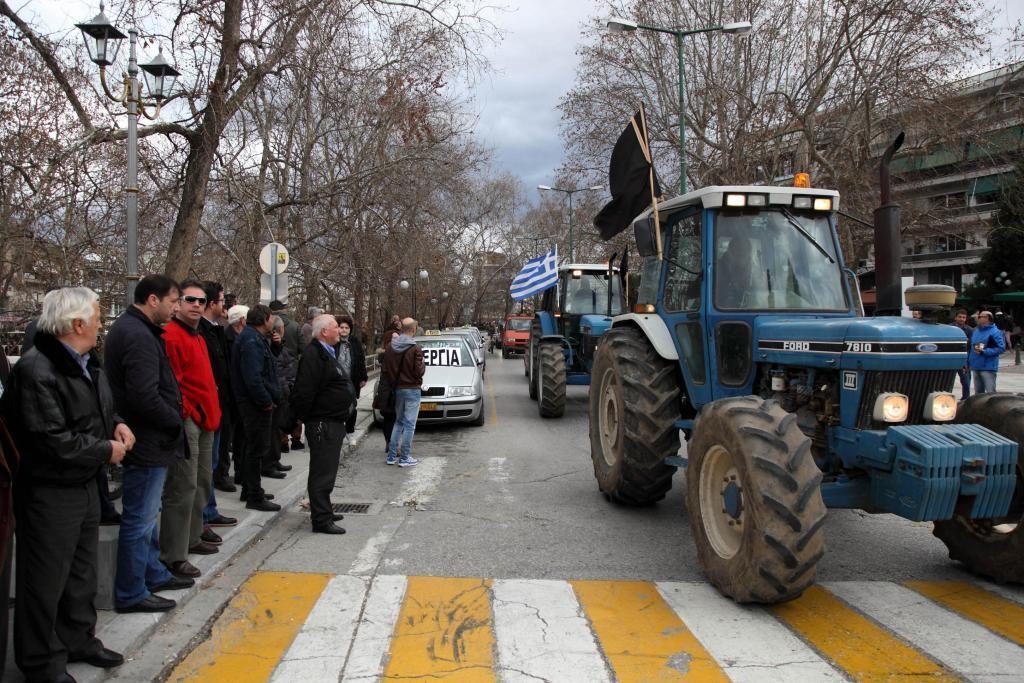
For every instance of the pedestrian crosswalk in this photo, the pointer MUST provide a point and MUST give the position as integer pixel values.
(287, 626)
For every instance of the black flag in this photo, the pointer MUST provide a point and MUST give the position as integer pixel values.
(631, 179)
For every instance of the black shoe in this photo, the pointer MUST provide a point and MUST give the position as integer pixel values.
(262, 505)
(223, 520)
(203, 548)
(225, 485)
(338, 516)
(273, 474)
(268, 496)
(104, 659)
(62, 677)
(111, 520)
(284, 448)
(331, 528)
(152, 603)
(184, 570)
(297, 445)
(175, 583)
(282, 468)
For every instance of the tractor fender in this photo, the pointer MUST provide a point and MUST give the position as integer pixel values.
(654, 328)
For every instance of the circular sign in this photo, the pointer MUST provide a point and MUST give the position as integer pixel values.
(267, 261)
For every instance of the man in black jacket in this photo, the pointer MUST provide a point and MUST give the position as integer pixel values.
(61, 411)
(147, 396)
(322, 398)
(256, 391)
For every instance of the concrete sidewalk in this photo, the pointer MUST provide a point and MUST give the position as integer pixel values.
(127, 633)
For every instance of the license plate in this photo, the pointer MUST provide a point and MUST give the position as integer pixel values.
(428, 406)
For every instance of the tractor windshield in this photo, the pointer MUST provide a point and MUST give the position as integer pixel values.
(770, 260)
(587, 294)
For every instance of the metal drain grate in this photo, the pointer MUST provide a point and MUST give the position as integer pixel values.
(352, 508)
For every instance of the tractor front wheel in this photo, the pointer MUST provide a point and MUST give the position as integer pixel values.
(634, 404)
(992, 547)
(551, 381)
(532, 358)
(754, 495)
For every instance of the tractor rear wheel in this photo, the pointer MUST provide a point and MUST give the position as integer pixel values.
(992, 547)
(754, 497)
(551, 381)
(634, 404)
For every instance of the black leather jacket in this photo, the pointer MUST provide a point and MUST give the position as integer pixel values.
(61, 420)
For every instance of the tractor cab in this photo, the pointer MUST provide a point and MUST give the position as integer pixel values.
(566, 329)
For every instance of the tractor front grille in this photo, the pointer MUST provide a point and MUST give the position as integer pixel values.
(915, 384)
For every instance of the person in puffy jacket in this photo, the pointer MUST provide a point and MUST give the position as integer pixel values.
(987, 344)
(60, 410)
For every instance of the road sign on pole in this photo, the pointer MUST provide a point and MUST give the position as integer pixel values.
(274, 259)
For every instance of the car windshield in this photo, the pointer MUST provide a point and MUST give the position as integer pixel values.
(519, 324)
(773, 260)
(588, 294)
(446, 353)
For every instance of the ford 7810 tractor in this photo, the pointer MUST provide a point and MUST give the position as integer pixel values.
(746, 338)
(571, 319)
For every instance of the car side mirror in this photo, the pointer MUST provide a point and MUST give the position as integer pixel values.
(646, 241)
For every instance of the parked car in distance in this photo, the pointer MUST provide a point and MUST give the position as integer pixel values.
(453, 384)
(516, 335)
(476, 342)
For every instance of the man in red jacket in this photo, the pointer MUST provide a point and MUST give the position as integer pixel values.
(187, 488)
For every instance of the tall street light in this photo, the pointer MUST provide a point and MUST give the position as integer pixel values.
(103, 40)
(737, 28)
(548, 188)
(407, 283)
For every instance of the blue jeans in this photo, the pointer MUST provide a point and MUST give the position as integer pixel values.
(138, 545)
(965, 382)
(985, 381)
(211, 511)
(407, 408)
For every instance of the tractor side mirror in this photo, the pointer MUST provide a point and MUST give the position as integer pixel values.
(646, 241)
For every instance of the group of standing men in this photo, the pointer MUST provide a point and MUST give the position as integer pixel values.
(986, 343)
(157, 405)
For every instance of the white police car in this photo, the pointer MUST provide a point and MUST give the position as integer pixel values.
(453, 384)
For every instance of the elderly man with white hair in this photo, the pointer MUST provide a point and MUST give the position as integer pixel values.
(322, 398)
(61, 411)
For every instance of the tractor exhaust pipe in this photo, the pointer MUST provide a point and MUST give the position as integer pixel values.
(888, 245)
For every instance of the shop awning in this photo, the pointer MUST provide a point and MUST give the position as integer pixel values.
(1010, 296)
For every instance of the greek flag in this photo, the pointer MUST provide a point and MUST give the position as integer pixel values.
(537, 275)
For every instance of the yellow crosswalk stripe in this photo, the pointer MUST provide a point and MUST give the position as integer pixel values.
(995, 613)
(255, 629)
(643, 639)
(862, 648)
(444, 631)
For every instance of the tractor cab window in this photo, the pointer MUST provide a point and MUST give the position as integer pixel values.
(682, 281)
(776, 260)
(587, 294)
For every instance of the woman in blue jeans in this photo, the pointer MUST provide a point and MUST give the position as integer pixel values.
(403, 363)
(987, 344)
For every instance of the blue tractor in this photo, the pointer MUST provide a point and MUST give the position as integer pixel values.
(565, 331)
(747, 339)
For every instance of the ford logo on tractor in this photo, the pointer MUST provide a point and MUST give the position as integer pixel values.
(927, 348)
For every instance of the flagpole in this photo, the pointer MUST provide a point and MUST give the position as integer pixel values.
(650, 174)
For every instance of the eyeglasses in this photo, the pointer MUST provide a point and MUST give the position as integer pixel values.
(201, 300)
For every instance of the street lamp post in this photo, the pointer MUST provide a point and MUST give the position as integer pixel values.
(103, 40)
(410, 283)
(738, 28)
(548, 188)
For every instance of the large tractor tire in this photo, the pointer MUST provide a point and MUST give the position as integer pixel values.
(533, 356)
(993, 548)
(634, 403)
(754, 497)
(551, 381)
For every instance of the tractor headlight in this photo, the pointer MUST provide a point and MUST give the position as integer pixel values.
(460, 391)
(940, 407)
(891, 408)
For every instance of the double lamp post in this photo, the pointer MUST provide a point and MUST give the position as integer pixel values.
(738, 28)
(103, 40)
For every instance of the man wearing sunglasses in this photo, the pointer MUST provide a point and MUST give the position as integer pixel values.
(187, 488)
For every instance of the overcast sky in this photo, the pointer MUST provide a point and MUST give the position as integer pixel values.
(532, 68)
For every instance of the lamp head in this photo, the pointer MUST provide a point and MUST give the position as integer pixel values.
(102, 39)
(543, 187)
(617, 25)
(159, 77)
(737, 28)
